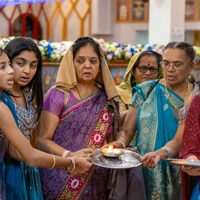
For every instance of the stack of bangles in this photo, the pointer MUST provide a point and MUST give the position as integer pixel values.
(123, 145)
(68, 169)
(169, 151)
(72, 167)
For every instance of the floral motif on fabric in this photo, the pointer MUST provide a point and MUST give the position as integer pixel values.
(105, 117)
(165, 107)
(75, 186)
(79, 126)
(101, 127)
(74, 183)
(162, 182)
(97, 137)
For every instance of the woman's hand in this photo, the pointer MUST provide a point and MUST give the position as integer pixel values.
(192, 171)
(150, 160)
(133, 149)
(82, 165)
(115, 144)
(81, 153)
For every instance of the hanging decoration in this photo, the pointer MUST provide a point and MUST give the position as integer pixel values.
(19, 2)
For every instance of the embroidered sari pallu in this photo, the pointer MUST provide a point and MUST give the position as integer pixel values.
(84, 124)
(156, 125)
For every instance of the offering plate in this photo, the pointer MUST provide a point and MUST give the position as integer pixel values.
(183, 162)
(127, 159)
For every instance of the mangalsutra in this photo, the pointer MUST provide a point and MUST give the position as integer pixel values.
(187, 95)
(80, 94)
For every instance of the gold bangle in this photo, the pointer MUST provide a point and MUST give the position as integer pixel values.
(54, 162)
(122, 144)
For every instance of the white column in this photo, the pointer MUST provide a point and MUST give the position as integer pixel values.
(101, 12)
(166, 21)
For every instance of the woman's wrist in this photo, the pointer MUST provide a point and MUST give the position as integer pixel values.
(122, 144)
(165, 152)
(72, 166)
(66, 153)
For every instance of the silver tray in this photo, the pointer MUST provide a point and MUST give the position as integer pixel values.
(183, 162)
(127, 159)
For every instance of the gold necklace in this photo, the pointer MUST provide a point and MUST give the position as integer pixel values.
(80, 94)
(187, 94)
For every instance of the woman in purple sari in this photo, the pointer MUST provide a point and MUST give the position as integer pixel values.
(80, 112)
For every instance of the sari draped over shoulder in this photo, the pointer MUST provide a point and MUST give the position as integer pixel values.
(157, 125)
(191, 146)
(6, 100)
(124, 89)
(22, 181)
(82, 124)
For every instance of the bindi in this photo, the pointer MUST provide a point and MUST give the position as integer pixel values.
(88, 56)
(149, 61)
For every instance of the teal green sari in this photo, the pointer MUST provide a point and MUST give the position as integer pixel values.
(157, 125)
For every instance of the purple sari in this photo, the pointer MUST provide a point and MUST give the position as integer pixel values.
(82, 125)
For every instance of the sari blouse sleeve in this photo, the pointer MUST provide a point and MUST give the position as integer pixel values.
(191, 137)
(140, 93)
(137, 100)
(54, 102)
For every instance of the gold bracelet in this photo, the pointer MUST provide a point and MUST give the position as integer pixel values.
(54, 162)
(122, 144)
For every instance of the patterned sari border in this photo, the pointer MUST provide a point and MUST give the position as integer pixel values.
(76, 105)
(75, 186)
(172, 92)
(87, 179)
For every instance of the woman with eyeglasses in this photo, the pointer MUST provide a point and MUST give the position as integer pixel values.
(152, 115)
(143, 66)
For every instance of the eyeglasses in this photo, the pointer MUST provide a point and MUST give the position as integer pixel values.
(144, 69)
(176, 65)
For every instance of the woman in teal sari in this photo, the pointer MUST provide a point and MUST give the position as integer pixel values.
(151, 114)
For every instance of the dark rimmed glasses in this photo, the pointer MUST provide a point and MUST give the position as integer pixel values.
(143, 69)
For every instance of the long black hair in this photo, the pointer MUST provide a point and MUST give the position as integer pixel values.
(16, 47)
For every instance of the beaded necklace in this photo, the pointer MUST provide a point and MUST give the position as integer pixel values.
(187, 94)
